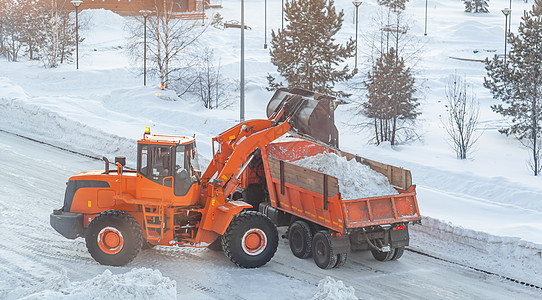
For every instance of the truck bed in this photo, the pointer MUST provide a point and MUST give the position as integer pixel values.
(315, 196)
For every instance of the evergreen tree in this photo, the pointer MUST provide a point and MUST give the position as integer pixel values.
(305, 52)
(518, 84)
(476, 6)
(394, 5)
(391, 101)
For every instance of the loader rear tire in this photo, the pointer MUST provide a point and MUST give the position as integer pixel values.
(322, 251)
(300, 239)
(114, 238)
(251, 240)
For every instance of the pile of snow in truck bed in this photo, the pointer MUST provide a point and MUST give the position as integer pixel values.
(355, 180)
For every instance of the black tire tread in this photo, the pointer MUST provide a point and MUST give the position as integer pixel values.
(397, 253)
(323, 234)
(306, 233)
(341, 260)
(132, 227)
(228, 239)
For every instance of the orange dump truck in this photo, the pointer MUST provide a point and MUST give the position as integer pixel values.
(320, 222)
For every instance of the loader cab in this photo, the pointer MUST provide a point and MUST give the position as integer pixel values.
(168, 168)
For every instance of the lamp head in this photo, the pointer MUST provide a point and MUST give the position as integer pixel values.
(145, 13)
(356, 3)
(506, 11)
(76, 3)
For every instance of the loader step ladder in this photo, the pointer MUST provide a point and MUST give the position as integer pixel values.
(153, 215)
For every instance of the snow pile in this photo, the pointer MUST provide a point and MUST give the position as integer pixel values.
(355, 180)
(141, 283)
(331, 289)
(507, 256)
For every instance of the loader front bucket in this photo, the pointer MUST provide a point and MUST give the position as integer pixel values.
(312, 113)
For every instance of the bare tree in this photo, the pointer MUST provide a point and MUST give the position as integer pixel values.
(211, 87)
(463, 114)
(58, 41)
(170, 41)
(12, 15)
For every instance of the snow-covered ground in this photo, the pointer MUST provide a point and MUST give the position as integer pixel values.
(36, 262)
(488, 207)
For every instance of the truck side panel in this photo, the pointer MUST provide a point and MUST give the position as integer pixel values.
(302, 192)
(315, 196)
(381, 210)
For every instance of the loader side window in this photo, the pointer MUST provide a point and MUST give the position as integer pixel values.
(160, 165)
(143, 159)
(155, 162)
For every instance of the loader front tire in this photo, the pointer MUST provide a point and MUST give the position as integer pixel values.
(300, 239)
(322, 250)
(251, 240)
(114, 238)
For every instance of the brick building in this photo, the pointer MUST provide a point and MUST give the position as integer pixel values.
(132, 7)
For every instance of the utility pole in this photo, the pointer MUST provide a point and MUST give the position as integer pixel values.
(242, 96)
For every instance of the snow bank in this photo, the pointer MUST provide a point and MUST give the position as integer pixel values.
(507, 256)
(355, 180)
(141, 283)
(35, 121)
(331, 289)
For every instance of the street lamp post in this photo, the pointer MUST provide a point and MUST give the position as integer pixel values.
(76, 3)
(145, 14)
(242, 96)
(356, 3)
(506, 12)
(203, 18)
(265, 25)
(425, 32)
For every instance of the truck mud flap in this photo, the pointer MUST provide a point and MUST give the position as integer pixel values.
(399, 238)
(340, 244)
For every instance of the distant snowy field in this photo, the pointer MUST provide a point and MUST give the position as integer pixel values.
(490, 202)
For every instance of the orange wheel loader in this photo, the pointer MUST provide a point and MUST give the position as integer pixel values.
(167, 201)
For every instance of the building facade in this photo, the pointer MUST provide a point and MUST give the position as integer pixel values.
(132, 7)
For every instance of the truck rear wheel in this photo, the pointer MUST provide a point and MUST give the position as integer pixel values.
(341, 260)
(300, 239)
(322, 251)
(114, 238)
(251, 240)
(382, 256)
(397, 253)
(394, 254)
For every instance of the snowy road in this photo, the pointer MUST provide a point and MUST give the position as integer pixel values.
(33, 255)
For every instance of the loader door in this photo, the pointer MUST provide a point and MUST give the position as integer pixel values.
(156, 169)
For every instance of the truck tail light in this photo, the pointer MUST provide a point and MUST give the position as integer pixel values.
(400, 227)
